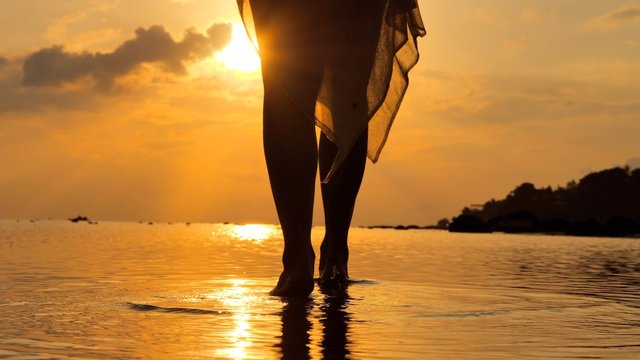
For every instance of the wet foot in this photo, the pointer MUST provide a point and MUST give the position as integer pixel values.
(333, 266)
(338, 280)
(293, 285)
(333, 274)
(296, 280)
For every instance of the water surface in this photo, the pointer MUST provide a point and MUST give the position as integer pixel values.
(129, 290)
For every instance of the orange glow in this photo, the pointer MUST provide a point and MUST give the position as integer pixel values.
(240, 336)
(240, 54)
(253, 232)
(181, 139)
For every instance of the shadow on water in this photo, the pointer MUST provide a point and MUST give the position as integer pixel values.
(297, 326)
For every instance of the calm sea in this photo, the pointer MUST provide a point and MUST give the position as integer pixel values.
(172, 291)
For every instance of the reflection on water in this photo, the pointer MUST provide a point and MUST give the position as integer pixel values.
(335, 320)
(238, 301)
(253, 232)
(120, 290)
(296, 329)
(297, 326)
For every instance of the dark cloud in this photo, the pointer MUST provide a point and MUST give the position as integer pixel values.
(625, 14)
(3, 61)
(55, 66)
(17, 98)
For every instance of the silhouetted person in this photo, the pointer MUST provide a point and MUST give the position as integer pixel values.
(341, 65)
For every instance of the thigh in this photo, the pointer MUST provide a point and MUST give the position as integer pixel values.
(289, 31)
(291, 50)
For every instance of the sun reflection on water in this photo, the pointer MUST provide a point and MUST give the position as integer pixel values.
(237, 299)
(253, 232)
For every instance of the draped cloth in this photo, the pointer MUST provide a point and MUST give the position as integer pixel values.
(368, 48)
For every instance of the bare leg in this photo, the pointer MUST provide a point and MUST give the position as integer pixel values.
(291, 67)
(291, 155)
(352, 39)
(339, 197)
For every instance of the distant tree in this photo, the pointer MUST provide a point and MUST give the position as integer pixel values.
(443, 224)
(524, 191)
(582, 207)
(468, 224)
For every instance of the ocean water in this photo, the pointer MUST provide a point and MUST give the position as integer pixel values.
(172, 291)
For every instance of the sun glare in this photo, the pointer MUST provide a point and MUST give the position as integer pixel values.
(240, 54)
(239, 300)
(253, 232)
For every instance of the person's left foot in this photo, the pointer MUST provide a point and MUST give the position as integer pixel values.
(337, 280)
(333, 265)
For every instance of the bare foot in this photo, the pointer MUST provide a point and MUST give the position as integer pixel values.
(336, 279)
(333, 267)
(297, 279)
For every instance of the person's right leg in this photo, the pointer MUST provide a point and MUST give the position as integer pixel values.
(291, 156)
(291, 74)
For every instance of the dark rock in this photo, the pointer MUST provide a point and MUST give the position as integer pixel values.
(468, 224)
(516, 222)
(620, 226)
(588, 227)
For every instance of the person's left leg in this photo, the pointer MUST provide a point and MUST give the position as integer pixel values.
(351, 40)
(339, 197)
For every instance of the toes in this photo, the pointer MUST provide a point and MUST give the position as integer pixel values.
(293, 285)
(336, 281)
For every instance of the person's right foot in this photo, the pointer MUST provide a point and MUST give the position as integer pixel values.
(294, 284)
(296, 280)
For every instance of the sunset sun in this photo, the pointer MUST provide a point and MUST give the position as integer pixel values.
(240, 54)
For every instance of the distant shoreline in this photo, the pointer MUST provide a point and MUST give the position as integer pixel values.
(546, 233)
(603, 203)
(400, 227)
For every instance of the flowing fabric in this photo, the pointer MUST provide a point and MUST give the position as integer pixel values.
(369, 48)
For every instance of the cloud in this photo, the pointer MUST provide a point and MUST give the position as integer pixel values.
(629, 13)
(17, 98)
(634, 163)
(55, 67)
(3, 61)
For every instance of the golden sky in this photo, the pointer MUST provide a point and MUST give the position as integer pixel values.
(150, 114)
